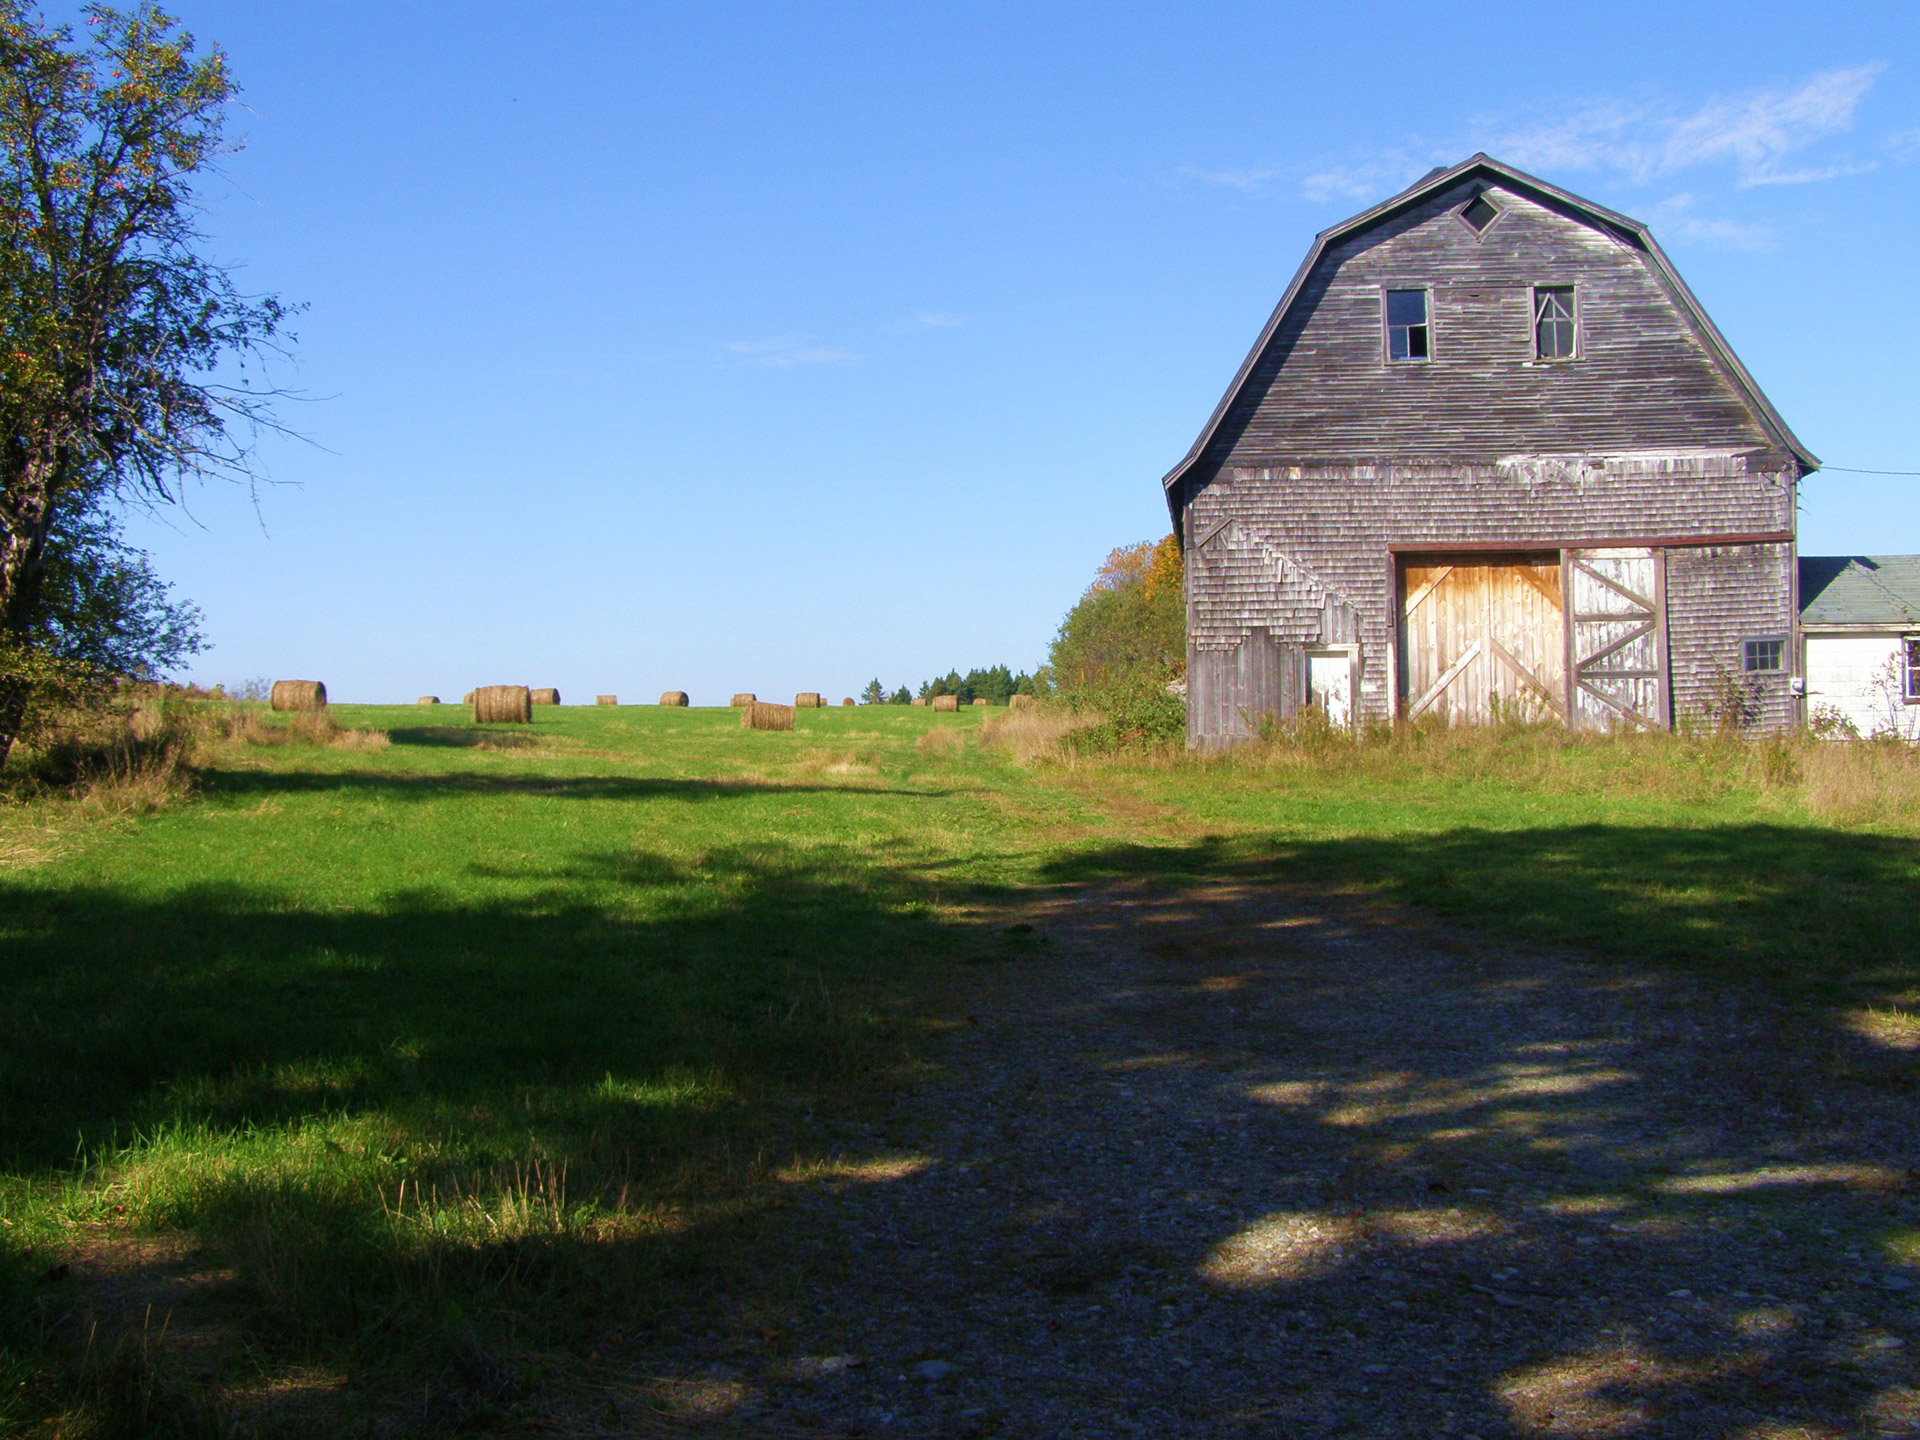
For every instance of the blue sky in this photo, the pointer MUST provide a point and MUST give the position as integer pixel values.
(720, 347)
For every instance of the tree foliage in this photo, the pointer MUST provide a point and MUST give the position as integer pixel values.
(1129, 631)
(117, 329)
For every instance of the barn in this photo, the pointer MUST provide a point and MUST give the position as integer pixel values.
(1488, 457)
(1860, 633)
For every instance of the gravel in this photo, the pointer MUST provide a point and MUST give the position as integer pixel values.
(1222, 1163)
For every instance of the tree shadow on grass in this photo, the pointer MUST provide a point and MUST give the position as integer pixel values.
(468, 782)
(1822, 914)
(529, 1113)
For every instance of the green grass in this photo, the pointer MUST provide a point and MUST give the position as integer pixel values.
(501, 1032)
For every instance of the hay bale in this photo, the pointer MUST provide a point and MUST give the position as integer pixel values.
(467, 699)
(428, 700)
(761, 715)
(606, 699)
(808, 700)
(946, 702)
(918, 700)
(298, 695)
(1020, 702)
(745, 697)
(674, 697)
(848, 701)
(545, 697)
(982, 702)
(503, 705)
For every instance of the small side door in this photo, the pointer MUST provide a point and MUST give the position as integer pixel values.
(1617, 638)
(1330, 686)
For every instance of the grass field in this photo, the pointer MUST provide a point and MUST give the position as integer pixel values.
(502, 1032)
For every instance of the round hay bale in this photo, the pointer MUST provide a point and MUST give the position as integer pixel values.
(745, 697)
(606, 699)
(503, 705)
(848, 701)
(467, 699)
(1020, 702)
(918, 700)
(674, 697)
(979, 701)
(428, 700)
(808, 700)
(545, 697)
(946, 702)
(762, 715)
(298, 695)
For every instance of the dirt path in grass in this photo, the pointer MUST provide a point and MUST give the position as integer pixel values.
(1219, 1163)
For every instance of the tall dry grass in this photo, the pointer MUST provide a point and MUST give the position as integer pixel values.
(1033, 733)
(1843, 781)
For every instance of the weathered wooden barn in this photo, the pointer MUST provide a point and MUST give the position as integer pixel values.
(1488, 455)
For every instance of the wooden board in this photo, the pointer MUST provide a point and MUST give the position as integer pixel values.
(1617, 638)
(1482, 636)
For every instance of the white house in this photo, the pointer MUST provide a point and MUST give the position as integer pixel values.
(1860, 626)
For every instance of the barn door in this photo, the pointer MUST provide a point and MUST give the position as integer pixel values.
(1617, 638)
(1483, 636)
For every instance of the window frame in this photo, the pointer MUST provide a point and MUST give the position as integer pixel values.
(1534, 292)
(1747, 644)
(1910, 669)
(1387, 327)
(1460, 214)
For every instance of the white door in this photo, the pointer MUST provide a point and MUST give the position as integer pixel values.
(1330, 686)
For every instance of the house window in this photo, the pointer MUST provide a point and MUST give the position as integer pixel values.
(1910, 670)
(1407, 325)
(1553, 322)
(1763, 657)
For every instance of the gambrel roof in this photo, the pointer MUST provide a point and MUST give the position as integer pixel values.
(1630, 232)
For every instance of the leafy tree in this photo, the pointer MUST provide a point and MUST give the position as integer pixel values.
(116, 328)
(102, 607)
(874, 694)
(1122, 645)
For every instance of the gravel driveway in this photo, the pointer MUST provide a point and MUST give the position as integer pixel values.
(1224, 1163)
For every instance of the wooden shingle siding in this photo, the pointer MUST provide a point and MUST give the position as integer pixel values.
(1717, 596)
(1329, 465)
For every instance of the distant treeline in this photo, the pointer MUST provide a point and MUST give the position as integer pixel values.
(995, 685)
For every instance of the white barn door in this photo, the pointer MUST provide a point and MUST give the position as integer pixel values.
(1617, 638)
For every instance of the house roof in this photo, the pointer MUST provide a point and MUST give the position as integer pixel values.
(1860, 589)
(1633, 231)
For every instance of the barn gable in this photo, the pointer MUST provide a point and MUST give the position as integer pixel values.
(1489, 514)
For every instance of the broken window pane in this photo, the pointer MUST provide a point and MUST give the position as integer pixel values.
(1406, 324)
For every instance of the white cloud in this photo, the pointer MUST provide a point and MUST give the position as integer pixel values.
(786, 351)
(1759, 133)
(1674, 216)
(1903, 146)
(1765, 137)
(925, 320)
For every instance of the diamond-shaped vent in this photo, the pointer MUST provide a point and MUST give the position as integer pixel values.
(1480, 213)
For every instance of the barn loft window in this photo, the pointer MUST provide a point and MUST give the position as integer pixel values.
(1553, 322)
(1910, 670)
(1479, 213)
(1763, 657)
(1407, 325)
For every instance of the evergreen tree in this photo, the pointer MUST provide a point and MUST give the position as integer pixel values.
(874, 694)
(902, 696)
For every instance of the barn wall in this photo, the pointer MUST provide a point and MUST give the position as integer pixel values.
(1305, 553)
(1717, 596)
